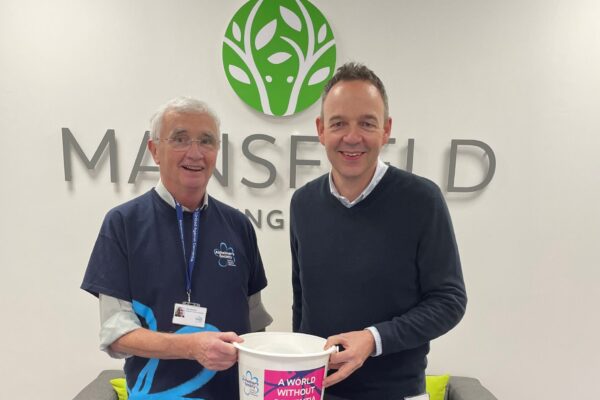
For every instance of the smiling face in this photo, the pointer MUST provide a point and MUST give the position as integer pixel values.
(186, 173)
(353, 129)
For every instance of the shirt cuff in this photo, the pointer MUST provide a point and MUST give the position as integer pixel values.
(259, 317)
(117, 318)
(377, 337)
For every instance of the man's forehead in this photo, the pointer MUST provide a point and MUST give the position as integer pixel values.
(186, 115)
(355, 93)
(354, 86)
(189, 122)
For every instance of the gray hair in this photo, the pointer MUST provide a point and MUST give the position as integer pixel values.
(181, 104)
(353, 71)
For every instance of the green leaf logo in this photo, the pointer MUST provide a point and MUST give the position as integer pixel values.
(278, 55)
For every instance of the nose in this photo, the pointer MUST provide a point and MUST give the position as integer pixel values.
(195, 151)
(353, 135)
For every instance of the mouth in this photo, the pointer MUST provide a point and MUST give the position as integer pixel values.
(193, 168)
(351, 155)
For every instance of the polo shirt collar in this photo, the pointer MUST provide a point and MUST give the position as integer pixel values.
(164, 194)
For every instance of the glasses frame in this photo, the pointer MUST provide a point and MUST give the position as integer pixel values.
(185, 146)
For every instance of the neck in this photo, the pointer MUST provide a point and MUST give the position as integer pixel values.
(190, 202)
(190, 199)
(351, 188)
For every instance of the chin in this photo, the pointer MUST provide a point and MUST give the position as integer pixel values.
(194, 184)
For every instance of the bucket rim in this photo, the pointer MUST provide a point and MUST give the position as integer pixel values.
(241, 347)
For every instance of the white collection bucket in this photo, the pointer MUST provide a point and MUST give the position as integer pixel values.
(282, 366)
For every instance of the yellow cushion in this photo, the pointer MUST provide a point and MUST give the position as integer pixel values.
(436, 386)
(120, 386)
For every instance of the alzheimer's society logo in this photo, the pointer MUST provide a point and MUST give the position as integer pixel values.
(250, 384)
(225, 254)
(278, 55)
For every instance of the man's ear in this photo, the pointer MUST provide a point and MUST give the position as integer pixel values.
(387, 130)
(153, 149)
(320, 130)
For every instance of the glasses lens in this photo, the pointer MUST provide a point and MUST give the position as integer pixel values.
(183, 142)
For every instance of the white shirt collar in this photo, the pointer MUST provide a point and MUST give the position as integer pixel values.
(379, 172)
(168, 197)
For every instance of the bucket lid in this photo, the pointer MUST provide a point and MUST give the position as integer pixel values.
(291, 335)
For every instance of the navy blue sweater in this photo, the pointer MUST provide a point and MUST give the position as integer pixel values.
(391, 261)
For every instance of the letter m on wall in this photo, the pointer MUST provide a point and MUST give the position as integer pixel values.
(70, 143)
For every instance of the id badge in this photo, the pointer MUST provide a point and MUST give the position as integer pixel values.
(189, 314)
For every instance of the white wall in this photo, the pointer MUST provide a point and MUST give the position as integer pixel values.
(521, 76)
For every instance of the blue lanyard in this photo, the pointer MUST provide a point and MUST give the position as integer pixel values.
(192, 262)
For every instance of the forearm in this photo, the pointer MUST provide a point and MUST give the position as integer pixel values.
(214, 350)
(442, 299)
(429, 319)
(149, 344)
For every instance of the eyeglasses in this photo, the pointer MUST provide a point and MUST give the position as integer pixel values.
(184, 142)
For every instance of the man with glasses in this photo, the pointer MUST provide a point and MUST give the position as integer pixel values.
(375, 265)
(177, 272)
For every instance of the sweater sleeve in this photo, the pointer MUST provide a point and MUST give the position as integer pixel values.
(296, 286)
(443, 297)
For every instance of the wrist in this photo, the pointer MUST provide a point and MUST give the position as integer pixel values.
(180, 346)
(377, 346)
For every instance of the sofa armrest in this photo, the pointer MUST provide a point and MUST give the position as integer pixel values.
(463, 388)
(100, 388)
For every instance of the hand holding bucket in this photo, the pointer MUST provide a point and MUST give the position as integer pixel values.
(214, 350)
(357, 345)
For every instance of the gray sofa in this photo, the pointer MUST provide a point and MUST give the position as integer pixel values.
(459, 388)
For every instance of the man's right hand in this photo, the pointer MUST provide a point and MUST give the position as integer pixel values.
(214, 350)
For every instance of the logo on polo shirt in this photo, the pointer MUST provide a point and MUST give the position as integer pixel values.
(278, 55)
(226, 255)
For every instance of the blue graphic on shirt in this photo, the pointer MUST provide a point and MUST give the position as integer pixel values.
(143, 384)
(226, 255)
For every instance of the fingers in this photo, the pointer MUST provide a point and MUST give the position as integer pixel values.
(342, 373)
(335, 340)
(215, 351)
(358, 346)
(230, 337)
(335, 366)
(341, 358)
(346, 362)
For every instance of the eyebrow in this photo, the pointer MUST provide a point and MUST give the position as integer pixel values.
(360, 117)
(178, 131)
(369, 117)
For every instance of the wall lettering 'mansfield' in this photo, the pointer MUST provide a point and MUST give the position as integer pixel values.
(221, 174)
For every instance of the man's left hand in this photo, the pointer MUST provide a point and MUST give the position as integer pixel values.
(358, 346)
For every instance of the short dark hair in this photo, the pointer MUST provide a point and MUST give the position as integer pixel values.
(353, 71)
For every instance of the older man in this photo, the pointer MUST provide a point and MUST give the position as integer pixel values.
(375, 263)
(176, 269)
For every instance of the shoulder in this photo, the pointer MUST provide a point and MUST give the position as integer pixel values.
(134, 214)
(132, 207)
(311, 189)
(413, 186)
(229, 213)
